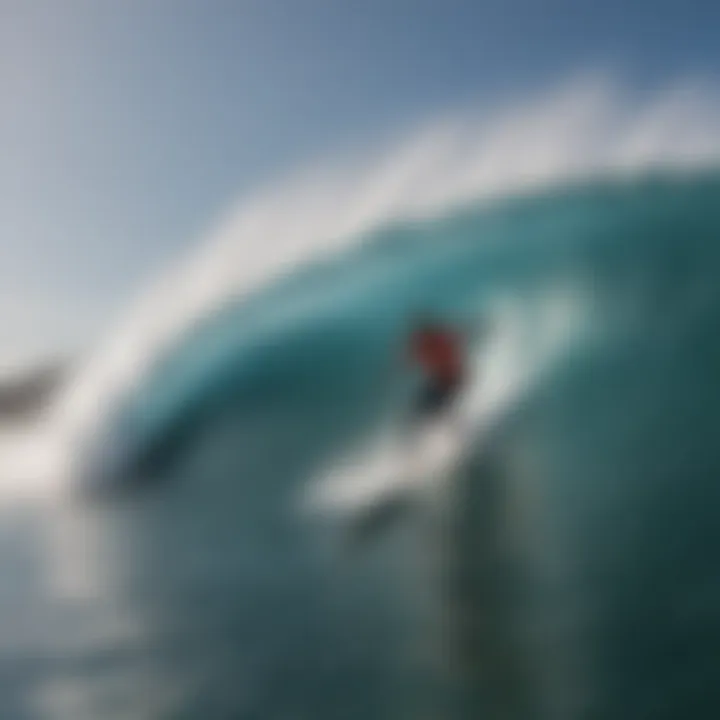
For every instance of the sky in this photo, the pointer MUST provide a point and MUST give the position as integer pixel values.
(128, 127)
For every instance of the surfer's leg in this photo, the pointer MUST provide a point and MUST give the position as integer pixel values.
(422, 407)
(432, 404)
(443, 397)
(448, 409)
(421, 412)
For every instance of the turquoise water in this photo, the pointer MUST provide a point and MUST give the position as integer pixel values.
(575, 575)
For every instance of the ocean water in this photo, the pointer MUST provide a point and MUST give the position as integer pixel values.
(569, 572)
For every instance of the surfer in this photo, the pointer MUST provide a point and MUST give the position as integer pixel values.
(438, 350)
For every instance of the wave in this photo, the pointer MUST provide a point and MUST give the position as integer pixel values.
(583, 129)
(595, 510)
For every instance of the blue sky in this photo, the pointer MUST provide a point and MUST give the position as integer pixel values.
(127, 127)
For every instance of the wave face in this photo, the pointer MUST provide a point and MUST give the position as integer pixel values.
(612, 458)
